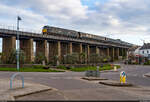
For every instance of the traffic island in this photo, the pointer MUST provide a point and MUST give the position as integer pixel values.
(115, 83)
(93, 78)
(147, 74)
(109, 71)
(7, 94)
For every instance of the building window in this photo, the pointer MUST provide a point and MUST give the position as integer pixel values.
(147, 51)
(143, 52)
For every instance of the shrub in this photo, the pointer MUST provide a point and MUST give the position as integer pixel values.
(82, 57)
(106, 59)
(96, 58)
(147, 63)
(136, 63)
(54, 60)
(72, 58)
(40, 58)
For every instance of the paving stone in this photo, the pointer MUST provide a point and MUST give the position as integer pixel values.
(8, 94)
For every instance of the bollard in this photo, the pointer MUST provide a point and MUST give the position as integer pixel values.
(122, 77)
(115, 68)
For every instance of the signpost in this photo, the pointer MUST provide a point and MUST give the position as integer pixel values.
(122, 77)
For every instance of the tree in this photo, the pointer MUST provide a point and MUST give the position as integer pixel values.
(12, 58)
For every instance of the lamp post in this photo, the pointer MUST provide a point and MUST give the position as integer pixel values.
(18, 47)
(17, 74)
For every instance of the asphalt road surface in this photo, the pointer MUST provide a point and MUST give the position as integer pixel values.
(135, 74)
(71, 87)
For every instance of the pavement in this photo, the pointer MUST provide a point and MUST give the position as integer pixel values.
(9, 94)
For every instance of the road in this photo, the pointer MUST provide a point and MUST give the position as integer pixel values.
(70, 85)
(135, 74)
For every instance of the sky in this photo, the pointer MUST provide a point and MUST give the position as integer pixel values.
(128, 20)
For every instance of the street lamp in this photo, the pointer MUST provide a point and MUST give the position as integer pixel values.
(18, 48)
(17, 74)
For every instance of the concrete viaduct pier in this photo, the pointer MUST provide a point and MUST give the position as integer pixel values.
(50, 45)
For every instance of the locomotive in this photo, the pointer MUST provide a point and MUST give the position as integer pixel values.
(48, 30)
(59, 32)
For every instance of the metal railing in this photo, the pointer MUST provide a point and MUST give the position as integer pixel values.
(13, 27)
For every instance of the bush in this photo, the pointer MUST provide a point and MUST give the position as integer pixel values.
(40, 58)
(61, 67)
(72, 58)
(147, 63)
(106, 59)
(136, 63)
(54, 60)
(96, 58)
(82, 57)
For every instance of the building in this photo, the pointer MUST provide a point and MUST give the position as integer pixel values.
(134, 50)
(145, 50)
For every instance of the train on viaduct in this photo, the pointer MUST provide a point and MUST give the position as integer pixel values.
(58, 41)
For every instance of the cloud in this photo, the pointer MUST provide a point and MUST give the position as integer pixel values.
(102, 17)
(30, 19)
(64, 9)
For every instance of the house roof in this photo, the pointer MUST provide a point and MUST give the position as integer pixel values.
(145, 46)
(133, 48)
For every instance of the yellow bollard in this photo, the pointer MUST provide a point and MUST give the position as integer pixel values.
(122, 77)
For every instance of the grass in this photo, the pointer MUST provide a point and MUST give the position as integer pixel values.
(82, 69)
(29, 70)
(39, 68)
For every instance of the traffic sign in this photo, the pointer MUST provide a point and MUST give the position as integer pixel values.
(122, 77)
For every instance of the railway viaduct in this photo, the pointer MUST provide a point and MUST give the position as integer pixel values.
(51, 45)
